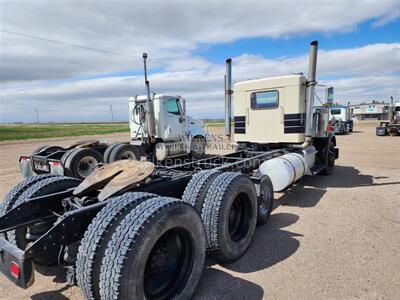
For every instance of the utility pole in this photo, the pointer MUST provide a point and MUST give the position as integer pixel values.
(112, 114)
(37, 115)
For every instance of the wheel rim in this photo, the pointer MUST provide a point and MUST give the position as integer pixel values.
(128, 155)
(239, 218)
(85, 165)
(169, 265)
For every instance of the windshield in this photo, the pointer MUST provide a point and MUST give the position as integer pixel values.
(335, 111)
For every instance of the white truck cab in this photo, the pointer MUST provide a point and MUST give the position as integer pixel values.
(175, 131)
(339, 114)
(172, 123)
(340, 118)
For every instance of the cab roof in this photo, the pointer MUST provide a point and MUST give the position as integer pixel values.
(270, 82)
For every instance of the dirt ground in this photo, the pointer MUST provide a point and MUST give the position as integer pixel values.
(329, 237)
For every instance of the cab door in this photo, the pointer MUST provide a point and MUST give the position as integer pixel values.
(176, 120)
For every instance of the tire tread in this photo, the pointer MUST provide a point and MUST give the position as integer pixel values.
(95, 239)
(123, 240)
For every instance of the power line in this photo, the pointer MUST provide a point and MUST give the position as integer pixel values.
(64, 43)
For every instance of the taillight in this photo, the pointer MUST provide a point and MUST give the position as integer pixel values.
(55, 163)
(14, 269)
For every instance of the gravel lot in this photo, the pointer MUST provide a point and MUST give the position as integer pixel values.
(334, 237)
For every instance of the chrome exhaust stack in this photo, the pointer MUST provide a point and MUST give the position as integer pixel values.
(150, 118)
(228, 98)
(391, 111)
(311, 83)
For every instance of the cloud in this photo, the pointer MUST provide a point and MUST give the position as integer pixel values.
(361, 61)
(171, 31)
(71, 84)
(358, 74)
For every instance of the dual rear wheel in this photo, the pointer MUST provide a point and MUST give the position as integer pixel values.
(230, 209)
(141, 246)
(119, 151)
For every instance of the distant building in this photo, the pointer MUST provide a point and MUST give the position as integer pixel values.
(370, 111)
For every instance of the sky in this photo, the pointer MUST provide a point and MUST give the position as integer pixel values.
(95, 59)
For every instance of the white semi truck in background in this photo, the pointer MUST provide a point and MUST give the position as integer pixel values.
(340, 119)
(160, 129)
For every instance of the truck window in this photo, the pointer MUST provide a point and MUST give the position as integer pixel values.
(264, 100)
(335, 111)
(173, 106)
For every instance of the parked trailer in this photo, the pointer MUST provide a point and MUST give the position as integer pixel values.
(165, 133)
(133, 230)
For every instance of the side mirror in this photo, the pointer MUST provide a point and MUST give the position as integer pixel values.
(329, 95)
(183, 105)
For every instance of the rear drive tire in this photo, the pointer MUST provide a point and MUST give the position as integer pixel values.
(197, 188)
(81, 162)
(329, 151)
(96, 238)
(124, 151)
(230, 215)
(37, 150)
(47, 150)
(65, 156)
(17, 191)
(108, 151)
(46, 186)
(265, 200)
(157, 252)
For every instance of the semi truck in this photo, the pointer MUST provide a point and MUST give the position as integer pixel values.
(160, 129)
(391, 126)
(340, 119)
(134, 230)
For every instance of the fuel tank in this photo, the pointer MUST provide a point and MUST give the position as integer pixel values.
(284, 170)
